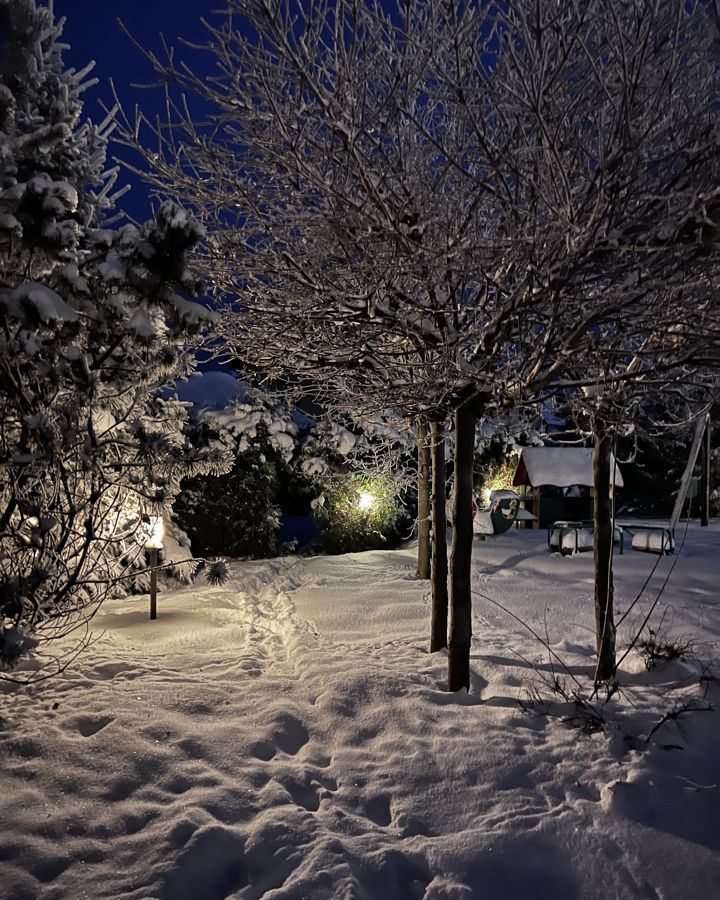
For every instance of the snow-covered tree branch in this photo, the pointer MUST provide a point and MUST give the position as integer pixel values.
(446, 207)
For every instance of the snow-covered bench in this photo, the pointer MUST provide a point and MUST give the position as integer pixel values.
(575, 537)
(651, 538)
(570, 537)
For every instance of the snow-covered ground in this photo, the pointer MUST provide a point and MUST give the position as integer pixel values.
(287, 735)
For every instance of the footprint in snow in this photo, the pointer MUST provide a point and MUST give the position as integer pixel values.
(309, 792)
(108, 671)
(211, 865)
(122, 788)
(47, 870)
(377, 809)
(87, 726)
(181, 833)
(290, 735)
(263, 750)
(178, 784)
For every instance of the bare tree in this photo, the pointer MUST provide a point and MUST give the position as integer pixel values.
(358, 252)
(442, 206)
(614, 102)
(636, 400)
(439, 568)
(424, 498)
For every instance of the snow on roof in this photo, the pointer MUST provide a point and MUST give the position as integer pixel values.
(559, 466)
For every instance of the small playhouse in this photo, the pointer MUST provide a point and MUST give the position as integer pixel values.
(556, 483)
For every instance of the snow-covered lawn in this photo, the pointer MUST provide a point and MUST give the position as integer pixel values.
(288, 736)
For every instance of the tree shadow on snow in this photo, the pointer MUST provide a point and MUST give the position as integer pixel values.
(581, 671)
(509, 563)
(523, 867)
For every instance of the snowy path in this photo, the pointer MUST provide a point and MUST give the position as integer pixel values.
(288, 736)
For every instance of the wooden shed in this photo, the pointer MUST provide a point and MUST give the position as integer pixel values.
(556, 483)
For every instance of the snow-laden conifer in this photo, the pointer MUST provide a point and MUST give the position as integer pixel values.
(92, 325)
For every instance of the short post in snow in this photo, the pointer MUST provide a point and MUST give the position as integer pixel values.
(153, 544)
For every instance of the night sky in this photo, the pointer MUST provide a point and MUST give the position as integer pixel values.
(93, 34)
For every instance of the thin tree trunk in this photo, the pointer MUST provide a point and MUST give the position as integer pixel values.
(461, 554)
(705, 457)
(439, 620)
(423, 486)
(603, 528)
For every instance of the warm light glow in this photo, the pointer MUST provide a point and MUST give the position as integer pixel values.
(366, 500)
(156, 533)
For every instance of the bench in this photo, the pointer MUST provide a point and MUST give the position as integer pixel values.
(650, 538)
(575, 531)
(576, 537)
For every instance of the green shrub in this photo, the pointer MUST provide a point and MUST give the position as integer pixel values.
(358, 512)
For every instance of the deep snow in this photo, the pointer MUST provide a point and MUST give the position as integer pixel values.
(288, 735)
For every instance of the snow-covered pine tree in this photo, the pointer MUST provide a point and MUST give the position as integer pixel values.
(91, 326)
(237, 513)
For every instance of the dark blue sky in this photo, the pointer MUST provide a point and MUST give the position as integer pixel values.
(93, 34)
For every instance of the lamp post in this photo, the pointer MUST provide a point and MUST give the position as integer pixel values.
(153, 544)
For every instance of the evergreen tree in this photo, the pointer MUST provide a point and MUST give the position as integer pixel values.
(91, 326)
(236, 513)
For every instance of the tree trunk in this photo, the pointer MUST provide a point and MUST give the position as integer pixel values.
(705, 457)
(439, 621)
(461, 555)
(423, 485)
(603, 543)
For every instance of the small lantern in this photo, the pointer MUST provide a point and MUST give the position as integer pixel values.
(154, 543)
(156, 533)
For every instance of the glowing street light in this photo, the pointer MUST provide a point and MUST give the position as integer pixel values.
(154, 543)
(365, 500)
